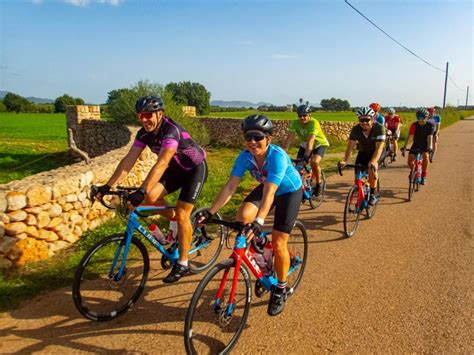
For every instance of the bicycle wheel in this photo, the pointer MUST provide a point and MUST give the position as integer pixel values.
(206, 244)
(97, 293)
(208, 327)
(316, 201)
(370, 210)
(298, 248)
(351, 212)
(411, 183)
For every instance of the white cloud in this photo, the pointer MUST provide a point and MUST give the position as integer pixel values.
(280, 56)
(82, 3)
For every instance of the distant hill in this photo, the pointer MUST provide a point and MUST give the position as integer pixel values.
(36, 100)
(221, 103)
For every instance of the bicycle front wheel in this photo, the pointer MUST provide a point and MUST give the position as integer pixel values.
(99, 292)
(212, 326)
(316, 201)
(411, 183)
(351, 212)
(371, 209)
(298, 249)
(206, 244)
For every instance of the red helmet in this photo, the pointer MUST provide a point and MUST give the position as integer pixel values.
(431, 110)
(375, 106)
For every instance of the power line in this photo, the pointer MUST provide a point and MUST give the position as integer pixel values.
(401, 45)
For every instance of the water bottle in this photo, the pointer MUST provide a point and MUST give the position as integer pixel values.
(268, 257)
(157, 234)
(172, 231)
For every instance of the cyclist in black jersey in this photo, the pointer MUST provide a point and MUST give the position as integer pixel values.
(181, 164)
(371, 140)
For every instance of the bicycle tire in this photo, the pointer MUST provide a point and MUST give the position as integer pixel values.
(351, 209)
(297, 247)
(316, 201)
(96, 294)
(411, 183)
(370, 210)
(206, 321)
(212, 234)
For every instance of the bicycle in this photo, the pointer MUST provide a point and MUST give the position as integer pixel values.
(112, 274)
(220, 305)
(415, 176)
(358, 198)
(309, 183)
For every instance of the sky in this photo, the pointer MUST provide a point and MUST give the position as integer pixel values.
(274, 51)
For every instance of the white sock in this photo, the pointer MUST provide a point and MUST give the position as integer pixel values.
(183, 263)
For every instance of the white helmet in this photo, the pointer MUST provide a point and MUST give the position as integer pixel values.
(365, 111)
(391, 111)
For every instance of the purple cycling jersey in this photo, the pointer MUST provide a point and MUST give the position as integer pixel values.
(171, 135)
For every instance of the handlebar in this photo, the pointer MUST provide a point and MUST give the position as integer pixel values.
(121, 191)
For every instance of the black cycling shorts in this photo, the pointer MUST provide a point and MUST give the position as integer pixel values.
(189, 181)
(286, 206)
(364, 158)
(317, 151)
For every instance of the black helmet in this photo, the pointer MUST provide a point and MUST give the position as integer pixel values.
(422, 113)
(257, 123)
(149, 104)
(303, 110)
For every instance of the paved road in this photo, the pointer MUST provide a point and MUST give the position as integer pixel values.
(402, 284)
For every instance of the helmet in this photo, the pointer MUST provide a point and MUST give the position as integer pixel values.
(391, 111)
(422, 113)
(431, 110)
(303, 110)
(149, 104)
(365, 111)
(257, 123)
(375, 106)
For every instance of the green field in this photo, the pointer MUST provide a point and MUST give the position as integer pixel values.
(321, 116)
(31, 143)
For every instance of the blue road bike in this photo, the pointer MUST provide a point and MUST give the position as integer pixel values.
(112, 274)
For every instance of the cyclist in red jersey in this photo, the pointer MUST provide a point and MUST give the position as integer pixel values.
(393, 123)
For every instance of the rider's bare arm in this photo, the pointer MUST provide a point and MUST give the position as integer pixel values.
(350, 147)
(430, 142)
(225, 194)
(125, 165)
(164, 158)
(309, 145)
(378, 153)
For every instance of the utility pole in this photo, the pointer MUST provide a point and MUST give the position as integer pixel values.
(445, 85)
(467, 96)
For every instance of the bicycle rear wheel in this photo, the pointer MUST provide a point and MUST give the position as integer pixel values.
(316, 201)
(97, 291)
(206, 244)
(298, 248)
(351, 212)
(212, 325)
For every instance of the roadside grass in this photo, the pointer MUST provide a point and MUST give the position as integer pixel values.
(31, 143)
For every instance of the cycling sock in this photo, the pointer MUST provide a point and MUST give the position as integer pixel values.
(183, 263)
(281, 284)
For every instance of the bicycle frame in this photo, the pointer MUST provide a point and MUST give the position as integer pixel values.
(360, 180)
(304, 172)
(417, 166)
(242, 252)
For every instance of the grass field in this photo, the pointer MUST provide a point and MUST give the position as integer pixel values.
(31, 143)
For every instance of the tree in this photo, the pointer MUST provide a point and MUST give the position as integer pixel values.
(61, 102)
(334, 104)
(191, 94)
(16, 103)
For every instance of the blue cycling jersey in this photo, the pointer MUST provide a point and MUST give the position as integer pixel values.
(380, 119)
(276, 169)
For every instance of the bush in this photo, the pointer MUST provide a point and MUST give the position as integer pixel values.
(3, 108)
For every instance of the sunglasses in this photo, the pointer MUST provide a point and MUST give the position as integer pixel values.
(249, 137)
(364, 120)
(147, 115)
(303, 116)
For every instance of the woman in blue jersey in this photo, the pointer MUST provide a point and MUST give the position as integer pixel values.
(280, 187)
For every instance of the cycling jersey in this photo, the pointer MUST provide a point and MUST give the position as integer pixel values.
(393, 122)
(367, 143)
(277, 169)
(380, 119)
(436, 122)
(171, 135)
(420, 135)
(312, 127)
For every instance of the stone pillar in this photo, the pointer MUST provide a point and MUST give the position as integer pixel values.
(74, 117)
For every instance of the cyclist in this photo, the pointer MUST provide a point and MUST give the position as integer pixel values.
(370, 138)
(393, 123)
(181, 165)
(421, 133)
(378, 116)
(280, 187)
(435, 120)
(313, 142)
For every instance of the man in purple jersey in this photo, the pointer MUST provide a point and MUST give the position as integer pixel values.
(181, 165)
